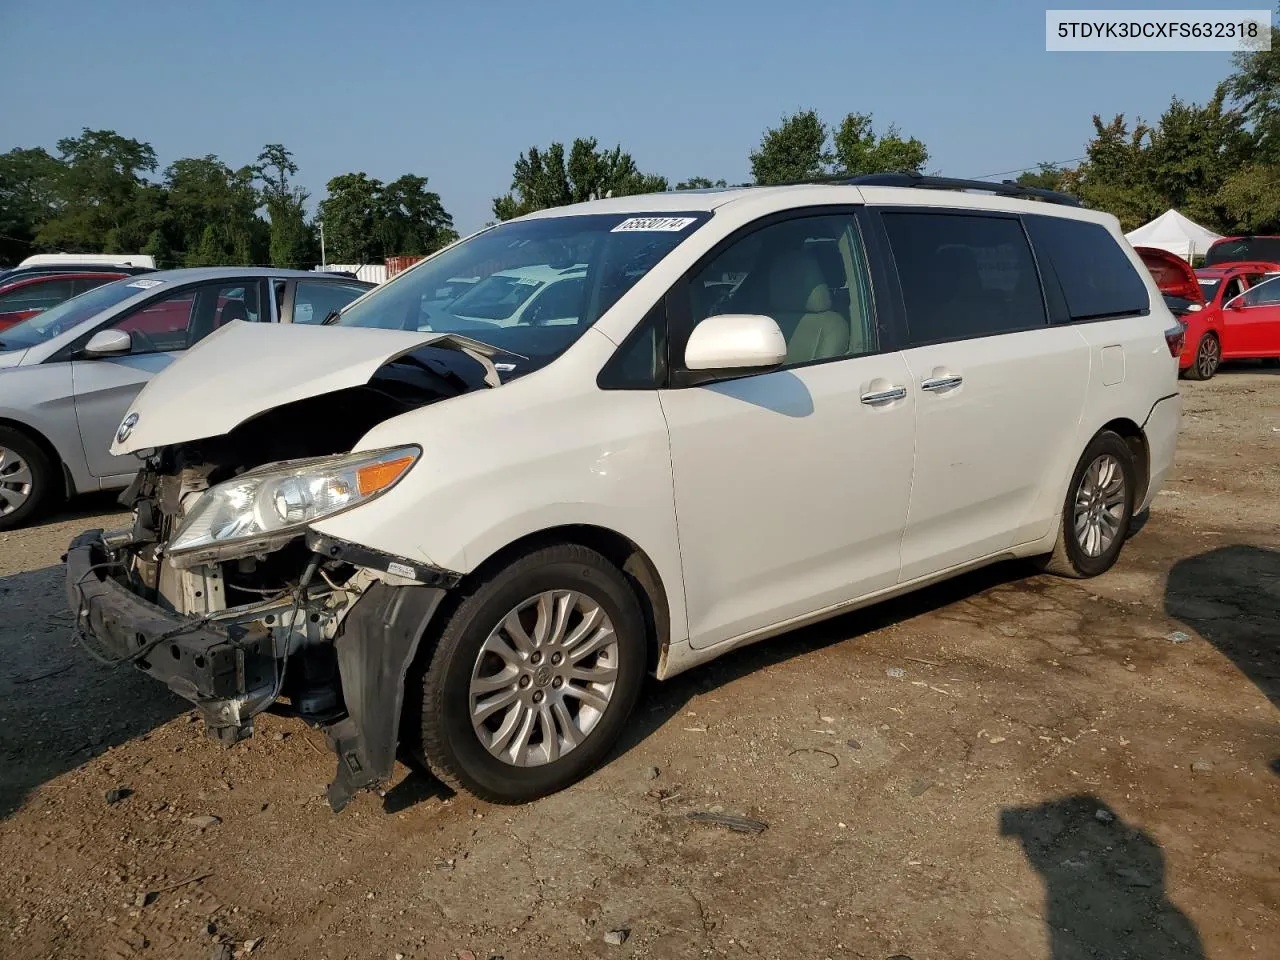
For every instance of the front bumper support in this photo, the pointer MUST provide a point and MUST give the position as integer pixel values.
(204, 663)
(214, 666)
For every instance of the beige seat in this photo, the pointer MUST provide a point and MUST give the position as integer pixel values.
(800, 302)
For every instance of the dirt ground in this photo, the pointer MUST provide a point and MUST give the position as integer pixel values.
(1007, 766)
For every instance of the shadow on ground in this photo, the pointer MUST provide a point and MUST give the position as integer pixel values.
(87, 506)
(58, 707)
(1231, 597)
(1104, 883)
(664, 700)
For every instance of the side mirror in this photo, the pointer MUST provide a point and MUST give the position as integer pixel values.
(735, 341)
(1236, 303)
(108, 343)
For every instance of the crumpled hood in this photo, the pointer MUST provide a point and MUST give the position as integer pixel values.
(244, 369)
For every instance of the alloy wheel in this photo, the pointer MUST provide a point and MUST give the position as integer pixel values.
(1099, 505)
(15, 481)
(543, 678)
(1208, 357)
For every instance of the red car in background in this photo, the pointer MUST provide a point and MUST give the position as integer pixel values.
(1231, 311)
(1240, 321)
(29, 295)
(1254, 249)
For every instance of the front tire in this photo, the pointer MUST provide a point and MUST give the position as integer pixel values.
(1098, 510)
(534, 676)
(27, 479)
(1208, 358)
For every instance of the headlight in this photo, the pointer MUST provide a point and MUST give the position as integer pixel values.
(274, 503)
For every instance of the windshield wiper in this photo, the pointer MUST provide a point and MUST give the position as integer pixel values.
(330, 318)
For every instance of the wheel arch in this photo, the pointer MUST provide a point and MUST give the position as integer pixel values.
(46, 446)
(624, 553)
(1136, 440)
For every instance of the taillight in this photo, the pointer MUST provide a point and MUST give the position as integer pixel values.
(1176, 338)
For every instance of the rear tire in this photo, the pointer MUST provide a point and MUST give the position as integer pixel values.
(512, 654)
(1098, 510)
(28, 479)
(1208, 358)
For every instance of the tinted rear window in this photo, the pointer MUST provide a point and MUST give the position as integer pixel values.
(964, 275)
(1085, 268)
(1266, 249)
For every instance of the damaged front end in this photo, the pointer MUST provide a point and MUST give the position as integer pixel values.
(221, 590)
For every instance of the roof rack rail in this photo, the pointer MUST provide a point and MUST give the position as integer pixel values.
(1005, 188)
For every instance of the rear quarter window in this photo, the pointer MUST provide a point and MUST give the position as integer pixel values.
(1087, 275)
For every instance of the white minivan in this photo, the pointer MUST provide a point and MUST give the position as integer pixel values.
(768, 406)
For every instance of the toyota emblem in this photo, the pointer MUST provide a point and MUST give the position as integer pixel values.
(126, 428)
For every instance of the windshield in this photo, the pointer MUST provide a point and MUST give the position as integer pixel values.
(47, 325)
(1209, 287)
(1264, 249)
(522, 302)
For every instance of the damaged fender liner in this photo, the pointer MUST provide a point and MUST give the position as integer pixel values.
(378, 642)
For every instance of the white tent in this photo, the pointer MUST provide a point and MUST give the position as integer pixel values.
(1173, 232)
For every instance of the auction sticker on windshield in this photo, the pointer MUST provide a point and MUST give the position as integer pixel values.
(145, 284)
(662, 224)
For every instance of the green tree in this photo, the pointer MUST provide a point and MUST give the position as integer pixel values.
(1117, 175)
(292, 242)
(98, 193)
(547, 178)
(803, 147)
(699, 183)
(274, 167)
(352, 215)
(204, 193)
(1189, 160)
(157, 246)
(1047, 176)
(796, 149)
(29, 180)
(210, 250)
(858, 150)
(414, 220)
(1254, 88)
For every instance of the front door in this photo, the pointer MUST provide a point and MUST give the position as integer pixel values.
(1251, 322)
(791, 486)
(161, 331)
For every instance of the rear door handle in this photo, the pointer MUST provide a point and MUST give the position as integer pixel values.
(941, 383)
(884, 396)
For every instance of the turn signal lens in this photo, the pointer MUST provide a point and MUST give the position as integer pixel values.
(378, 476)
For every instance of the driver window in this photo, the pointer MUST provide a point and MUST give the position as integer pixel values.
(183, 318)
(809, 275)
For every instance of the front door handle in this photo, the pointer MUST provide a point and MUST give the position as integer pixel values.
(884, 396)
(941, 383)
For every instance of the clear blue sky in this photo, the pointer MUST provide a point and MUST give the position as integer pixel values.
(455, 91)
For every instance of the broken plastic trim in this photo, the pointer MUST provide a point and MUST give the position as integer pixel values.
(332, 548)
(479, 351)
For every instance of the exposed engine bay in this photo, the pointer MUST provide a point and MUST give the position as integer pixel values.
(255, 629)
